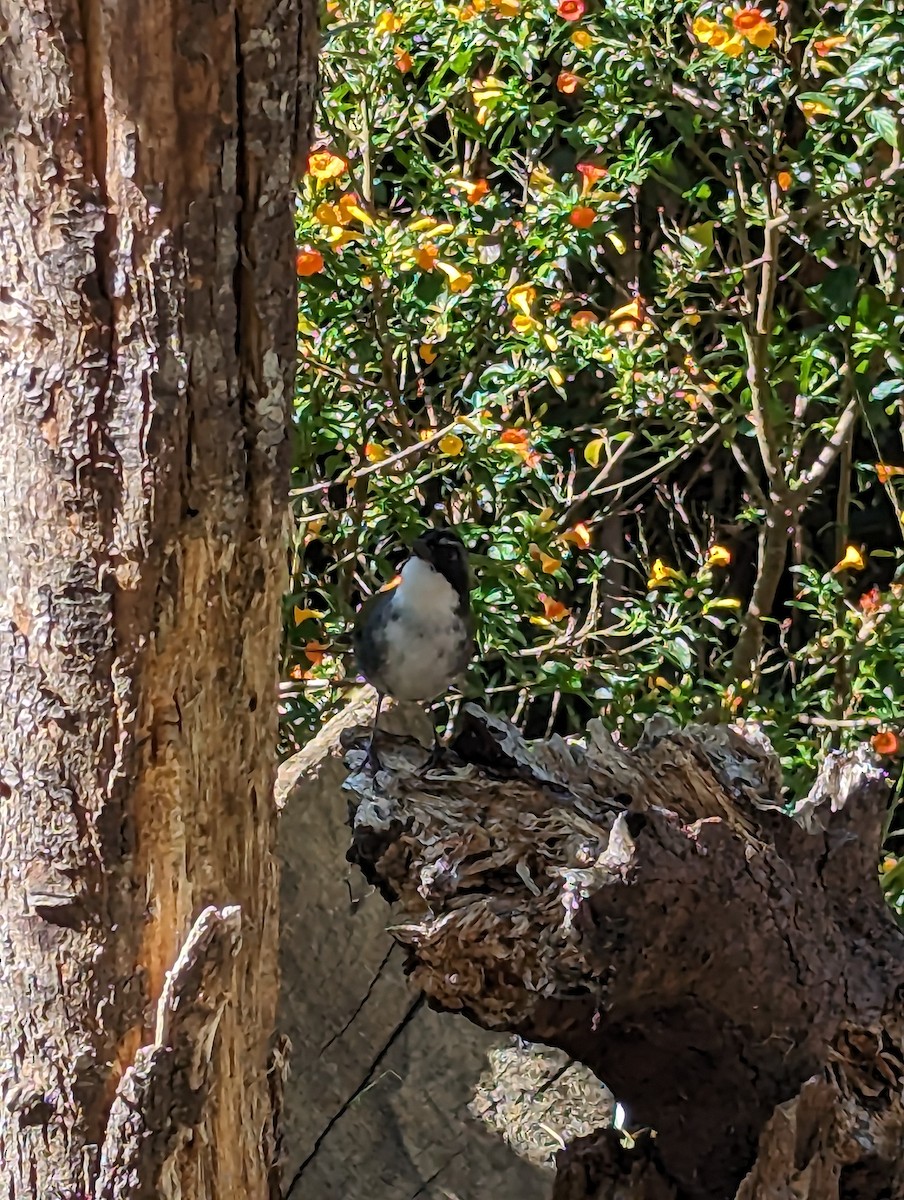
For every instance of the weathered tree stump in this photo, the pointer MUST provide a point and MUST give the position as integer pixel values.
(727, 968)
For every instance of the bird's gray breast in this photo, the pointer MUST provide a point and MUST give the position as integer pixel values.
(418, 653)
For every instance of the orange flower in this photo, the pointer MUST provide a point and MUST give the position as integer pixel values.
(571, 10)
(314, 652)
(582, 217)
(325, 166)
(825, 46)
(427, 353)
(884, 472)
(581, 321)
(578, 536)
(474, 189)
(747, 19)
(308, 261)
(548, 564)
(426, 256)
(885, 742)
(784, 180)
(568, 82)
(870, 601)
(582, 39)
(553, 610)
(518, 442)
(591, 175)
(403, 61)
(375, 453)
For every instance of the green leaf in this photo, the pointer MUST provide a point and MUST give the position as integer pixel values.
(886, 124)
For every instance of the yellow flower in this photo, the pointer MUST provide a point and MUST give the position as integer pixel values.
(451, 444)
(427, 352)
(338, 238)
(703, 30)
(459, 281)
(630, 316)
(853, 560)
(388, 22)
(660, 574)
(815, 108)
(328, 214)
(540, 179)
(521, 297)
(305, 614)
(488, 89)
(763, 36)
(324, 166)
(551, 343)
(582, 39)
(556, 377)
(375, 453)
(506, 8)
(718, 37)
(734, 47)
(719, 556)
(523, 324)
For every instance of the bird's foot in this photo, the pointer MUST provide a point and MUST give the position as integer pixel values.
(436, 757)
(373, 758)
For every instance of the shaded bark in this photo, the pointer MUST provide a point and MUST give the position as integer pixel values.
(656, 914)
(146, 363)
(382, 1095)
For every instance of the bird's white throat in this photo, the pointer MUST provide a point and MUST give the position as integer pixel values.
(425, 590)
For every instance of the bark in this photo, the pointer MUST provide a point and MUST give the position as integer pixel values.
(146, 362)
(382, 1094)
(727, 968)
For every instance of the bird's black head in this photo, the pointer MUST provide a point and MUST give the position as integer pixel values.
(444, 550)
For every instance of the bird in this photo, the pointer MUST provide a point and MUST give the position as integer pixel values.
(413, 639)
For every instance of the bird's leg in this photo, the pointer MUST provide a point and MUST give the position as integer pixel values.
(372, 757)
(438, 752)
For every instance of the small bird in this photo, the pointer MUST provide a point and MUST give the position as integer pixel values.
(412, 640)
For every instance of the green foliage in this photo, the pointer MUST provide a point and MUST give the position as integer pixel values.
(623, 297)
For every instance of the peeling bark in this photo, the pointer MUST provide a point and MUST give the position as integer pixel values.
(146, 363)
(728, 969)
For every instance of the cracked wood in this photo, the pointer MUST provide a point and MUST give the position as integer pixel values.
(146, 364)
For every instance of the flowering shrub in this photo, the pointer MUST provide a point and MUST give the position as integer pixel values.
(618, 289)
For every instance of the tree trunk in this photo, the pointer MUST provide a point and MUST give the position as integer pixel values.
(146, 364)
(728, 969)
(382, 1092)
